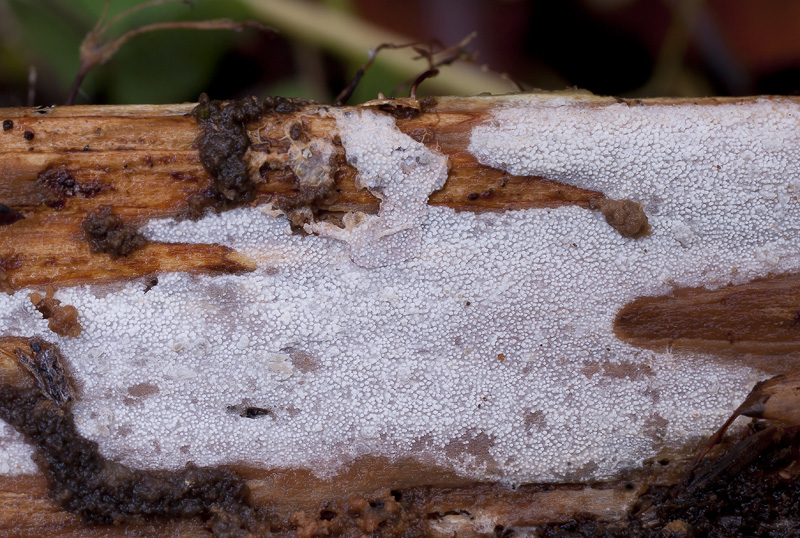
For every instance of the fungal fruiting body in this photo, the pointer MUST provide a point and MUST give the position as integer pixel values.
(380, 341)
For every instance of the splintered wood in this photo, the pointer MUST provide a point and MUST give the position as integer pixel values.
(141, 160)
(383, 316)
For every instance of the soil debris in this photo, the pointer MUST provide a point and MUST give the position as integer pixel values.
(223, 143)
(378, 514)
(150, 283)
(108, 233)
(752, 490)
(101, 491)
(626, 216)
(62, 320)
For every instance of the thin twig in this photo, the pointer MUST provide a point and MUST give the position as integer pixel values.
(109, 49)
(425, 50)
(135, 9)
(412, 92)
(94, 51)
(348, 90)
(445, 56)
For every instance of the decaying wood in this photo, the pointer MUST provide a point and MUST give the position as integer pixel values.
(757, 317)
(141, 160)
(59, 165)
(26, 508)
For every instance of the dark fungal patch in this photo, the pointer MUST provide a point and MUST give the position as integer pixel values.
(9, 215)
(759, 473)
(223, 143)
(59, 182)
(626, 216)
(102, 491)
(28, 134)
(8, 125)
(108, 233)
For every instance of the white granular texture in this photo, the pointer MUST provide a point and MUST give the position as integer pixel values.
(398, 170)
(404, 360)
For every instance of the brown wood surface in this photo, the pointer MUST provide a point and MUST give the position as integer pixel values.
(141, 160)
(761, 316)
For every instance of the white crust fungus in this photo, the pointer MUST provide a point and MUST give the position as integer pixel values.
(398, 170)
(489, 350)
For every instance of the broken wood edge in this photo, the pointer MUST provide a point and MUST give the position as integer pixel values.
(296, 499)
(141, 160)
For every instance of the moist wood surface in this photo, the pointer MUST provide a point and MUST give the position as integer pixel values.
(760, 317)
(141, 161)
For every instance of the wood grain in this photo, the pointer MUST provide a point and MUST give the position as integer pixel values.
(142, 161)
(761, 317)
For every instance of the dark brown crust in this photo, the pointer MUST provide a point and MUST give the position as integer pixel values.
(104, 492)
(109, 234)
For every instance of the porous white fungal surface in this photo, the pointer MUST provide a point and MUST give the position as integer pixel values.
(401, 173)
(489, 352)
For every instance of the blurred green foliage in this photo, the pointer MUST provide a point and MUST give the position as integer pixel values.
(158, 67)
(175, 65)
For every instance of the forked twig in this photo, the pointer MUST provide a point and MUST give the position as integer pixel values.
(95, 51)
(348, 90)
(434, 53)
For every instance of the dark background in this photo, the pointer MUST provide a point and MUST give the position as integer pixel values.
(620, 47)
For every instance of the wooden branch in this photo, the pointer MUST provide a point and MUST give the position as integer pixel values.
(141, 160)
(79, 183)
